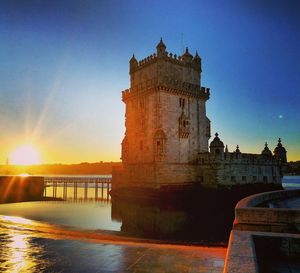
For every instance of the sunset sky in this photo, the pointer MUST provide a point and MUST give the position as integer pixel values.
(64, 64)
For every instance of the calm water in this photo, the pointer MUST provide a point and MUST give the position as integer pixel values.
(86, 215)
(51, 237)
(291, 182)
(29, 246)
(39, 236)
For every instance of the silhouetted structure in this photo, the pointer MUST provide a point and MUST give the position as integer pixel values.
(19, 188)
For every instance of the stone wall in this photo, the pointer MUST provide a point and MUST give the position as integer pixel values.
(154, 175)
(251, 215)
(18, 188)
(269, 237)
(233, 169)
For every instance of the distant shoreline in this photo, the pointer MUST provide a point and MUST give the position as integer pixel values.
(97, 168)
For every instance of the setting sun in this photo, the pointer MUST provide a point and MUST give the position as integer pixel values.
(25, 155)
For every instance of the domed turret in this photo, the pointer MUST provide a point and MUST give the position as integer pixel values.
(266, 150)
(237, 152)
(187, 57)
(161, 48)
(217, 142)
(280, 152)
(217, 147)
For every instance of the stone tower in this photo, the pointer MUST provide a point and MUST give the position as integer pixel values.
(165, 120)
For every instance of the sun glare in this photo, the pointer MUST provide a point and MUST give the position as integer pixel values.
(25, 155)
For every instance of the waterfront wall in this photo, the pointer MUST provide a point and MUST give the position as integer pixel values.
(153, 175)
(267, 230)
(19, 188)
(254, 213)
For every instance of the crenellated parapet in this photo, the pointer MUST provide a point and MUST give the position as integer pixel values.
(168, 57)
(235, 158)
(171, 86)
(185, 60)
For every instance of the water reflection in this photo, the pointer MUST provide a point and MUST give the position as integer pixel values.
(16, 219)
(88, 215)
(19, 259)
(24, 247)
(15, 250)
(184, 221)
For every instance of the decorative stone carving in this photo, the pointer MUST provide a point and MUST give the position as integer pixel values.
(184, 126)
(159, 145)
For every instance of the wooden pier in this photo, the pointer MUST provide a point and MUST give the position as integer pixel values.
(78, 188)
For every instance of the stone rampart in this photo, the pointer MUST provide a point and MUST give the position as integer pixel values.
(264, 238)
(21, 188)
(252, 213)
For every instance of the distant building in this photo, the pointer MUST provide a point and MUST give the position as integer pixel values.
(166, 142)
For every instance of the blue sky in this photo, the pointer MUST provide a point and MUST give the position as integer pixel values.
(65, 63)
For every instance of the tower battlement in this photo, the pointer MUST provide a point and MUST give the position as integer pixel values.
(194, 63)
(171, 86)
(168, 69)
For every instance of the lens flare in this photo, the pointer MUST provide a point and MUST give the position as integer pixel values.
(25, 155)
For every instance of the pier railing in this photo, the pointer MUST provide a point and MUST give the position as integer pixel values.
(78, 188)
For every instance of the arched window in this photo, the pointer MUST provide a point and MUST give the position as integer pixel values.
(184, 126)
(159, 144)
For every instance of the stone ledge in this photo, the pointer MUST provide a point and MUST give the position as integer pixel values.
(248, 216)
(258, 199)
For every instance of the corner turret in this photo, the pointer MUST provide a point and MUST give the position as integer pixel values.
(161, 48)
(237, 152)
(217, 147)
(280, 152)
(226, 149)
(133, 64)
(187, 56)
(266, 151)
(197, 62)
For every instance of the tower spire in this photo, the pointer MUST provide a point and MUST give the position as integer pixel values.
(161, 48)
(133, 64)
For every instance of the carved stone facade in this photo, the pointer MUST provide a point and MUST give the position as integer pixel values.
(223, 168)
(167, 130)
